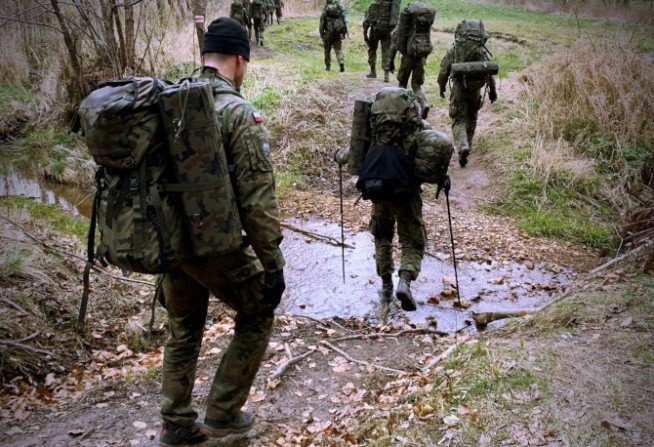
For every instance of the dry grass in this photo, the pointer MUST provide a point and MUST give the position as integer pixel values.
(309, 125)
(591, 105)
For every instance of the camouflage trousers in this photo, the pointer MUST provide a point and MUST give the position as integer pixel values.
(464, 107)
(373, 43)
(410, 230)
(413, 67)
(259, 27)
(335, 42)
(235, 279)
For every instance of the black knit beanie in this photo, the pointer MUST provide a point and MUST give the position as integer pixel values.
(226, 36)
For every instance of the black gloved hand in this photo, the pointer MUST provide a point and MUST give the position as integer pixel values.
(492, 95)
(273, 287)
(445, 185)
(442, 92)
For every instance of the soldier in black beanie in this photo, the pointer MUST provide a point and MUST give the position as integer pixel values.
(250, 279)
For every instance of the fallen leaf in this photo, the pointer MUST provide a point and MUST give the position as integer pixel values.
(433, 300)
(139, 424)
(462, 305)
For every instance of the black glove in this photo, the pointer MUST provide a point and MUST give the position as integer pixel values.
(273, 287)
(442, 92)
(492, 95)
(445, 185)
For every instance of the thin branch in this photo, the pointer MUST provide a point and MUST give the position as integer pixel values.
(394, 334)
(29, 22)
(320, 237)
(281, 369)
(25, 347)
(72, 255)
(14, 305)
(361, 362)
(633, 252)
(445, 354)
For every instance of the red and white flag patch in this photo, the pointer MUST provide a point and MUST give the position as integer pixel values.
(257, 117)
(198, 19)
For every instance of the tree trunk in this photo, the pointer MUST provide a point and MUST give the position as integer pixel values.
(73, 51)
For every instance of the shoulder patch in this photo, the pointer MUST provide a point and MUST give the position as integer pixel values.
(257, 117)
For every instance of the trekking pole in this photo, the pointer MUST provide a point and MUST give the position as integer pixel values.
(340, 184)
(446, 187)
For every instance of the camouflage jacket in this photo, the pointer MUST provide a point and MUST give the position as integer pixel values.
(325, 19)
(248, 152)
(446, 67)
(371, 17)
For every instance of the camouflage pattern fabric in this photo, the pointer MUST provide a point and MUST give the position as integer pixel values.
(414, 68)
(375, 38)
(333, 41)
(279, 9)
(258, 16)
(235, 278)
(410, 230)
(465, 102)
(239, 12)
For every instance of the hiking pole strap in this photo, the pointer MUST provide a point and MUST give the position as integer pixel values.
(340, 184)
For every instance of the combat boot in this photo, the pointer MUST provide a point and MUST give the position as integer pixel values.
(403, 292)
(327, 68)
(463, 157)
(425, 111)
(342, 67)
(373, 73)
(173, 435)
(241, 422)
(386, 292)
(386, 76)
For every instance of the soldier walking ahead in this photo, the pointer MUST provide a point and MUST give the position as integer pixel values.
(250, 279)
(333, 29)
(381, 18)
(465, 95)
(413, 41)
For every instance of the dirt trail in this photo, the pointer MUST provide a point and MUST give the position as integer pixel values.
(320, 397)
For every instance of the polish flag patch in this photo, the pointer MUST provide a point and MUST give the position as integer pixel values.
(257, 117)
(198, 19)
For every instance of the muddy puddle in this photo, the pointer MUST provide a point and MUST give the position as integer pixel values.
(19, 176)
(315, 285)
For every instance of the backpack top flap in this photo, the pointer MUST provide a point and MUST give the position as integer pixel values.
(394, 105)
(386, 175)
(119, 121)
(432, 157)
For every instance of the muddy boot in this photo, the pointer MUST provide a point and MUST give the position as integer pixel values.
(241, 422)
(342, 67)
(386, 292)
(327, 67)
(386, 76)
(403, 292)
(463, 157)
(173, 435)
(425, 111)
(372, 74)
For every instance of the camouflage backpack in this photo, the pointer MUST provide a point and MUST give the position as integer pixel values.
(257, 9)
(163, 189)
(237, 12)
(432, 158)
(470, 41)
(335, 18)
(387, 170)
(388, 16)
(414, 34)
(372, 14)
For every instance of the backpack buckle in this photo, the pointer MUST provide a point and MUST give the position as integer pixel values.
(133, 185)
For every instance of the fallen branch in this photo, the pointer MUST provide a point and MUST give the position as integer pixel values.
(8, 302)
(445, 354)
(633, 252)
(17, 344)
(361, 362)
(320, 237)
(393, 334)
(73, 255)
(281, 369)
(483, 318)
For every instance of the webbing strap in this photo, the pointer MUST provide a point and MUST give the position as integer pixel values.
(90, 248)
(139, 209)
(161, 220)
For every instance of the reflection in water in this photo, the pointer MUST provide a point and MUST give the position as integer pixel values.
(315, 286)
(21, 176)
